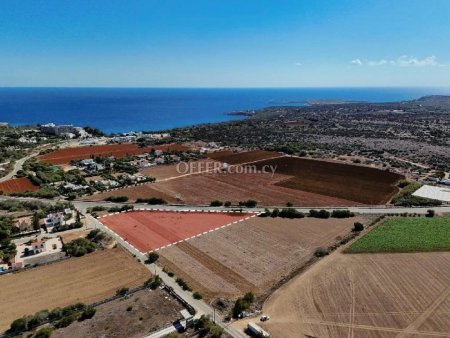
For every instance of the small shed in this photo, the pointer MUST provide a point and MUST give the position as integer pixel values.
(187, 318)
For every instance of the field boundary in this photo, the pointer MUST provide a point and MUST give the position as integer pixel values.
(338, 246)
(255, 213)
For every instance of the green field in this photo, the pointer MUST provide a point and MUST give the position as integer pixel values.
(406, 235)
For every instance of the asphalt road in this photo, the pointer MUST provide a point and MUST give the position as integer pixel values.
(376, 209)
(17, 166)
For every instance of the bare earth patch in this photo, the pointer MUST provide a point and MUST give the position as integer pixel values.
(251, 255)
(366, 295)
(85, 279)
(150, 311)
(202, 189)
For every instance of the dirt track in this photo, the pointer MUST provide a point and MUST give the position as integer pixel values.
(370, 295)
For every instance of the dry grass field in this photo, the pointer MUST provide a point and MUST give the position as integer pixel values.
(150, 311)
(251, 255)
(366, 295)
(86, 279)
(243, 157)
(165, 172)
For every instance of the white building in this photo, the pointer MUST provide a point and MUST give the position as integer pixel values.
(432, 192)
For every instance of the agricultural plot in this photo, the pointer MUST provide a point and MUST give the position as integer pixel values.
(65, 155)
(86, 279)
(251, 255)
(243, 157)
(17, 185)
(352, 182)
(202, 189)
(406, 235)
(370, 295)
(166, 172)
(136, 316)
(153, 230)
(303, 182)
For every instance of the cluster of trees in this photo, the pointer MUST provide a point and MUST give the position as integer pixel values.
(152, 201)
(61, 317)
(93, 211)
(81, 246)
(218, 203)
(117, 199)
(152, 257)
(14, 206)
(154, 282)
(243, 304)
(283, 213)
(335, 214)
(181, 282)
(405, 196)
(7, 247)
(207, 329)
(248, 203)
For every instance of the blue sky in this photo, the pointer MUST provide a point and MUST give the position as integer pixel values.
(224, 43)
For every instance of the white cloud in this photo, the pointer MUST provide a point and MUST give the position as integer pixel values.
(406, 60)
(298, 64)
(402, 61)
(356, 62)
(377, 63)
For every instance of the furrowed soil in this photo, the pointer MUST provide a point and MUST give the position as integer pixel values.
(353, 182)
(17, 185)
(365, 295)
(243, 157)
(252, 255)
(65, 155)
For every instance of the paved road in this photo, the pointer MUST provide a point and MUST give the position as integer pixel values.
(17, 166)
(376, 209)
(83, 205)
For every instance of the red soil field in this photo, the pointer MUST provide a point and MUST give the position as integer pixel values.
(65, 155)
(17, 185)
(150, 230)
(352, 182)
(243, 157)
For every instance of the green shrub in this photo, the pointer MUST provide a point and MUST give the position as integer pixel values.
(342, 214)
(319, 214)
(118, 199)
(44, 332)
(79, 247)
(122, 291)
(216, 203)
(88, 313)
(183, 284)
(357, 227)
(66, 321)
(197, 295)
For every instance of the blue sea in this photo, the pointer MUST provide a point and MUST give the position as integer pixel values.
(151, 109)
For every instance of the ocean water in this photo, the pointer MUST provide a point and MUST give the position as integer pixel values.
(152, 109)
